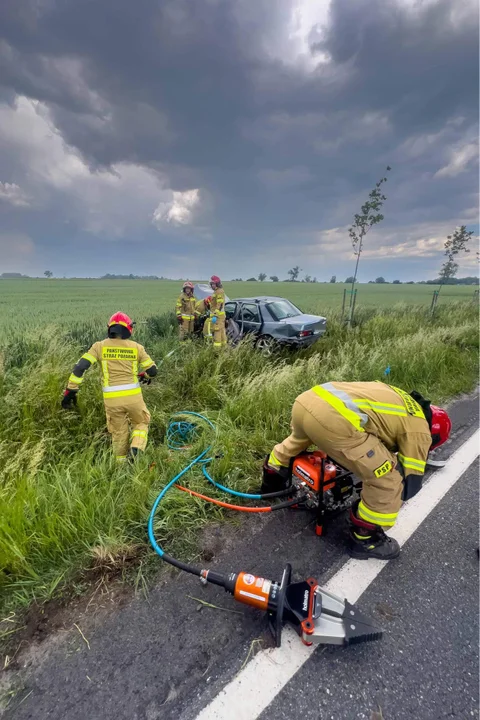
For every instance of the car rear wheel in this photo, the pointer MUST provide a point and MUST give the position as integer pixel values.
(266, 344)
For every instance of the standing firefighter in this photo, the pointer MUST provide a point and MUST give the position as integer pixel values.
(361, 425)
(125, 365)
(185, 309)
(217, 312)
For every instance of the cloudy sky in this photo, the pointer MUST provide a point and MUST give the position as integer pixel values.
(185, 137)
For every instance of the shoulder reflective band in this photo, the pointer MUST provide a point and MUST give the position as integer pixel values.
(343, 404)
(90, 358)
(413, 408)
(383, 408)
(74, 379)
(412, 463)
(119, 353)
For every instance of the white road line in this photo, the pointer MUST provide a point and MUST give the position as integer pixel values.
(254, 688)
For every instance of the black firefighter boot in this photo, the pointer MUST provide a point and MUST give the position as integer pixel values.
(370, 541)
(274, 480)
(133, 454)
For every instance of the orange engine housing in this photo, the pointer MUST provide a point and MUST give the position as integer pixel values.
(308, 469)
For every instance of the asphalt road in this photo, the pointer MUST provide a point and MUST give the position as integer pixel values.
(163, 657)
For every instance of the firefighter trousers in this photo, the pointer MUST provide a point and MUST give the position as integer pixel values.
(219, 332)
(315, 422)
(186, 328)
(128, 424)
(207, 329)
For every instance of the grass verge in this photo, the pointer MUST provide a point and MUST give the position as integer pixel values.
(66, 510)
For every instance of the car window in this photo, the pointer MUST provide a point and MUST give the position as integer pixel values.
(230, 308)
(249, 312)
(281, 309)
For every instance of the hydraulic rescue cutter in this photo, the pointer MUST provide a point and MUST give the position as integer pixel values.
(316, 615)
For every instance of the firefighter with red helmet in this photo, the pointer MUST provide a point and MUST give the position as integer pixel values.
(379, 432)
(186, 310)
(124, 365)
(217, 312)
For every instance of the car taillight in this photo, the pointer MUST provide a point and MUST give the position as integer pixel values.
(305, 333)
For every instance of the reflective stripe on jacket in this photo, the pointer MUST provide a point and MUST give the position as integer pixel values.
(186, 307)
(121, 361)
(387, 412)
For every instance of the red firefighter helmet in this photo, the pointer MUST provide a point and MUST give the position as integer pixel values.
(441, 426)
(120, 318)
(188, 284)
(215, 280)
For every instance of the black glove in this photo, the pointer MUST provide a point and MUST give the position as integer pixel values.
(144, 379)
(275, 480)
(69, 399)
(179, 320)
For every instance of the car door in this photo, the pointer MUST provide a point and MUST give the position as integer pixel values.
(249, 318)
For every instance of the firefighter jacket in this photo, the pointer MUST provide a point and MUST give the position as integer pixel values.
(121, 361)
(387, 412)
(217, 303)
(186, 307)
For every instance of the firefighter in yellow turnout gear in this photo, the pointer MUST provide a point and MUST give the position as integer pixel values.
(217, 313)
(186, 311)
(125, 365)
(380, 433)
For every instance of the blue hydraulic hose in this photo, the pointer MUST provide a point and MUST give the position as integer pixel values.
(179, 434)
(229, 490)
(162, 494)
(172, 443)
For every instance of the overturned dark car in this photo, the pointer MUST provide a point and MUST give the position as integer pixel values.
(272, 321)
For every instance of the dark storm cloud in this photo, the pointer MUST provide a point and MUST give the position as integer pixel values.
(205, 93)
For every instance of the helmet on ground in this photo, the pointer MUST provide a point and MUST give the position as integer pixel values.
(122, 319)
(215, 280)
(188, 284)
(440, 427)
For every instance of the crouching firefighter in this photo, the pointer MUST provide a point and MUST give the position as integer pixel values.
(380, 433)
(125, 365)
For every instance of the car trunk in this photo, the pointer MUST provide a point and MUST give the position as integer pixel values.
(313, 324)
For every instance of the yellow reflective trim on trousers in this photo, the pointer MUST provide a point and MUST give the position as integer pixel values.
(74, 379)
(412, 463)
(90, 358)
(140, 433)
(339, 406)
(122, 393)
(272, 460)
(387, 519)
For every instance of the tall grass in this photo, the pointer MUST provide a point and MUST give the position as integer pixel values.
(64, 504)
